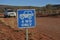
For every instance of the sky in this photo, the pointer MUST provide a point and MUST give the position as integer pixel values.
(29, 2)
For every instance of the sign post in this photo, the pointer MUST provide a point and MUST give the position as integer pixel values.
(26, 19)
(26, 34)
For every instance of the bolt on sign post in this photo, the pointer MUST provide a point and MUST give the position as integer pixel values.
(26, 19)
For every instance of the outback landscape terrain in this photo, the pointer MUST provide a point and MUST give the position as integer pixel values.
(47, 28)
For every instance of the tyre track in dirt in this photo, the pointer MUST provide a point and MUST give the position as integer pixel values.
(49, 27)
(41, 32)
(13, 37)
(37, 35)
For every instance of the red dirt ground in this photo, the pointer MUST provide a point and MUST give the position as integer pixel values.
(47, 28)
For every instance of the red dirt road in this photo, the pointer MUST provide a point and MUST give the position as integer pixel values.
(47, 28)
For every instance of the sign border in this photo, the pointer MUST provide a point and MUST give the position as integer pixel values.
(34, 18)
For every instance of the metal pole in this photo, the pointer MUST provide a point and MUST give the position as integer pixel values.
(26, 33)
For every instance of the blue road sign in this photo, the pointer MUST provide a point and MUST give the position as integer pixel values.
(26, 18)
